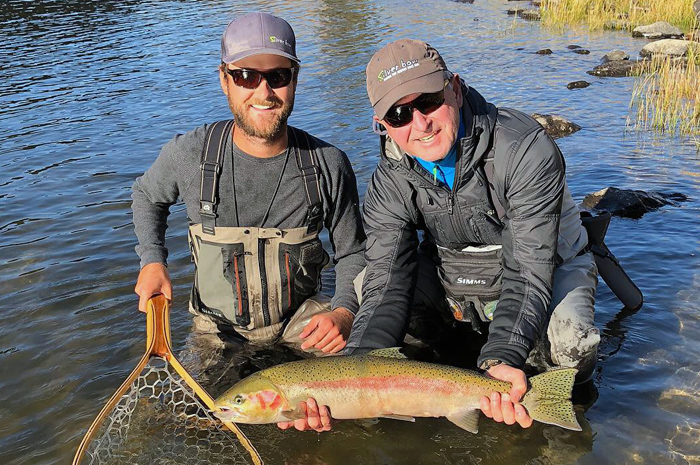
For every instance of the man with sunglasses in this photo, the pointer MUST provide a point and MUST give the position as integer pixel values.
(258, 193)
(503, 246)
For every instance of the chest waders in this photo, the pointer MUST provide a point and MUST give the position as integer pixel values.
(255, 278)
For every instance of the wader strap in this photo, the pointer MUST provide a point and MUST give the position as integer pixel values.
(212, 156)
(306, 159)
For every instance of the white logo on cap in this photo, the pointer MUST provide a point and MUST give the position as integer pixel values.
(388, 73)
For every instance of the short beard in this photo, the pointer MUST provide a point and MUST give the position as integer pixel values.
(272, 132)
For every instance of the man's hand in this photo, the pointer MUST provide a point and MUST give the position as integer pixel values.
(505, 408)
(317, 418)
(153, 279)
(328, 331)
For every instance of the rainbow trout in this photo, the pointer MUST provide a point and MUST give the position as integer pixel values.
(383, 383)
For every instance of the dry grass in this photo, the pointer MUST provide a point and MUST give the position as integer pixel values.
(666, 96)
(618, 14)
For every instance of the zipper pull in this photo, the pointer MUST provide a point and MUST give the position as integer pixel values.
(435, 174)
(450, 203)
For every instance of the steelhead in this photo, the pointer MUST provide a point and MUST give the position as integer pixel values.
(383, 383)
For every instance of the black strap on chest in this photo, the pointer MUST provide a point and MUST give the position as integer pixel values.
(310, 173)
(212, 158)
(212, 163)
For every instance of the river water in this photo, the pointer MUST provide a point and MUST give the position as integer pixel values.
(92, 89)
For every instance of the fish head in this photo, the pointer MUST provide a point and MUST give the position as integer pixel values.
(254, 400)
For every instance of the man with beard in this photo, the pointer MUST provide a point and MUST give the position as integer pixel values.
(258, 193)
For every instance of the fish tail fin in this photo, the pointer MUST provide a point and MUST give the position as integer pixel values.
(549, 398)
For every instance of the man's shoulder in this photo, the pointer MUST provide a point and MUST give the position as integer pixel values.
(515, 123)
(328, 153)
(188, 145)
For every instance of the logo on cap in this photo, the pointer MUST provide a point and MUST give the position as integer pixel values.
(275, 40)
(388, 73)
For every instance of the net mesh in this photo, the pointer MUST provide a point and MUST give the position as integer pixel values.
(160, 420)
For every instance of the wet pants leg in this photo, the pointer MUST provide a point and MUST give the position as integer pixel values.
(571, 338)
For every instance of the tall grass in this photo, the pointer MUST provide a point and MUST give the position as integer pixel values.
(666, 96)
(619, 14)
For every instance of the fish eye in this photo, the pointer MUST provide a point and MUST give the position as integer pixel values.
(238, 400)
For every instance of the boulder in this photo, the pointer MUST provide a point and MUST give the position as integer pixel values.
(668, 47)
(556, 126)
(620, 68)
(630, 203)
(615, 55)
(544, 51)
(658, 30)
(578, 85)
(530, 14)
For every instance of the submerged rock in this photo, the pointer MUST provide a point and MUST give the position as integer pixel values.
(573, 47)
(544, 51)
(668, 47)
(658, 30)
(630, 203)
(582, 51)
(619, 68)
(556, 126)
(615, 55)
(529, 14)
(578, 85)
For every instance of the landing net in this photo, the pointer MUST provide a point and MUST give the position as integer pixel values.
(160, 415)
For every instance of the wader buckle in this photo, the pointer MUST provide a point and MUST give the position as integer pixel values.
(210, 167)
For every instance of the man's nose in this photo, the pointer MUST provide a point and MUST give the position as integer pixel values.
(420, 121)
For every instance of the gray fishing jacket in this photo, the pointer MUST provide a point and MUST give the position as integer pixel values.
(541, 227)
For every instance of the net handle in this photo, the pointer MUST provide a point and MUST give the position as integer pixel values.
(158, 344)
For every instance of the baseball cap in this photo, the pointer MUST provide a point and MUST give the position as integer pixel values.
(258, 34)
(402, 68)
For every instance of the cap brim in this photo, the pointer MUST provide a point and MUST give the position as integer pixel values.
(258, 51)
(429, 83)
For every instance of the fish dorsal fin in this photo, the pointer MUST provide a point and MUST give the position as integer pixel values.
(466, 419)
(390, 352)
(398, 417)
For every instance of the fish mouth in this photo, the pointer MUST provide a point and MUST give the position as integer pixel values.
(226, 414)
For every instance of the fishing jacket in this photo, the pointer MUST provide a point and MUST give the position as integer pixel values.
(403, 199)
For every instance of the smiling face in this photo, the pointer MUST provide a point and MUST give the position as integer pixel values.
(260, 113)
(430, 137)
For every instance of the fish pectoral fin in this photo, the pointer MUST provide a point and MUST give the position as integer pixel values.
(466, 419)
(292, 415)
(390, 352)
(399, 417)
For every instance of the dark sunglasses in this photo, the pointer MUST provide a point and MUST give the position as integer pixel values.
(251, 78)
(401, 115)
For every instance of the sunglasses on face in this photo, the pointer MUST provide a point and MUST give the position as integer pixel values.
(251, 78)
(401, 115)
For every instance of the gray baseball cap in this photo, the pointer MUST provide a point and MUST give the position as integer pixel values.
(402, 68)
(258, 34)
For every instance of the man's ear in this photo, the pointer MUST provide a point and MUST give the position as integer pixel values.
(223, 79)
(457, 88)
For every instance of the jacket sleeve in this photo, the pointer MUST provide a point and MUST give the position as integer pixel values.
(391, 256)
(152, 195)
(534, 187)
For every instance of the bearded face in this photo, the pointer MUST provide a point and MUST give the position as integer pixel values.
(262, 117)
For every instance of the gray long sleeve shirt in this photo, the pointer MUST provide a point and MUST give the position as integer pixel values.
(251, 181)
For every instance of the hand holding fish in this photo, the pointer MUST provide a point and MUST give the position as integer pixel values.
(506, 407)
(317, 418)
(329, 331)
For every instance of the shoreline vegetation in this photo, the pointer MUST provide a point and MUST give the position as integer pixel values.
(666, 93)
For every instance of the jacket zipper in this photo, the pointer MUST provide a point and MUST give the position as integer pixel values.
(263, 282)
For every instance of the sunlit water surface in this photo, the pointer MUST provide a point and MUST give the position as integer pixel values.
(91, 91)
